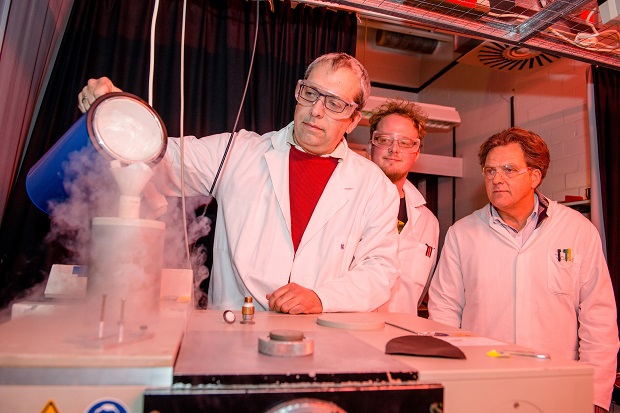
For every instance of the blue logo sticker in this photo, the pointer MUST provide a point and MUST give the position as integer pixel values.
(108, 406)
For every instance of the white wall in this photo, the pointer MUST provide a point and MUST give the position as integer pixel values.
(550, 101)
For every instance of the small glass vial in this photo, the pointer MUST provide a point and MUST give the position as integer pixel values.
(247, 311)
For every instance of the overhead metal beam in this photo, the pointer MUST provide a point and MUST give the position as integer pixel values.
(531, 35)
(547, 17)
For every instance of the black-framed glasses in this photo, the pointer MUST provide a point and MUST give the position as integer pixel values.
(307, 94)
(385, 140)
(508, 170)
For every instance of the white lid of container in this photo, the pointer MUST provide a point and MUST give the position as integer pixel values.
(124, 127)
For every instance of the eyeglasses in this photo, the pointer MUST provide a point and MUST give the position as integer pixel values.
(509, 171)
(336, 108)
(385, 140)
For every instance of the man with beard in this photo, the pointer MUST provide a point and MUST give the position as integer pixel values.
(397, 130)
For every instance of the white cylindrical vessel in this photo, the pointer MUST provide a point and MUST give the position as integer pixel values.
(126, 258)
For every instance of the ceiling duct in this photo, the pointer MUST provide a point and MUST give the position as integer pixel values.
(508, 58)
(402, 41)
(402, 57)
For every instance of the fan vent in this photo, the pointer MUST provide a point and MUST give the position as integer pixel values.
(507, 57)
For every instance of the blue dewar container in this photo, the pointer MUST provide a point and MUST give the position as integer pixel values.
(99, 128)
(44, 182)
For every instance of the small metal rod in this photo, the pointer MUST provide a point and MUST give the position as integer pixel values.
(402, 328)
(102, 316)
(525, 354)
(121, 322)
(419, 333)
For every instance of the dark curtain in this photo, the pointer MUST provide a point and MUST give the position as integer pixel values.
(111, 38)
(607, 108)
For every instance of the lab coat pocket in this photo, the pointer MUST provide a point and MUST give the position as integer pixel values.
(562, 274)
(416, 260)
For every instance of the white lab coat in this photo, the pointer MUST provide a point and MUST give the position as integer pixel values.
(486, 284)
(348, 252)
(420, 234)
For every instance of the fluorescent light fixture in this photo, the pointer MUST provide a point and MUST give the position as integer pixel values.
(439, 117)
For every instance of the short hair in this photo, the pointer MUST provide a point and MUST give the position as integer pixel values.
(533, 146)
(342, 60)
(405, 109)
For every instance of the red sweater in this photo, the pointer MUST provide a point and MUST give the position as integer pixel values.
(308, 176)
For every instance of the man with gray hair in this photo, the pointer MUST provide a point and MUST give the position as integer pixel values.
(304, 224)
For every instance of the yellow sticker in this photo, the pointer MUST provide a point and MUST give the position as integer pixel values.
(50, 407)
